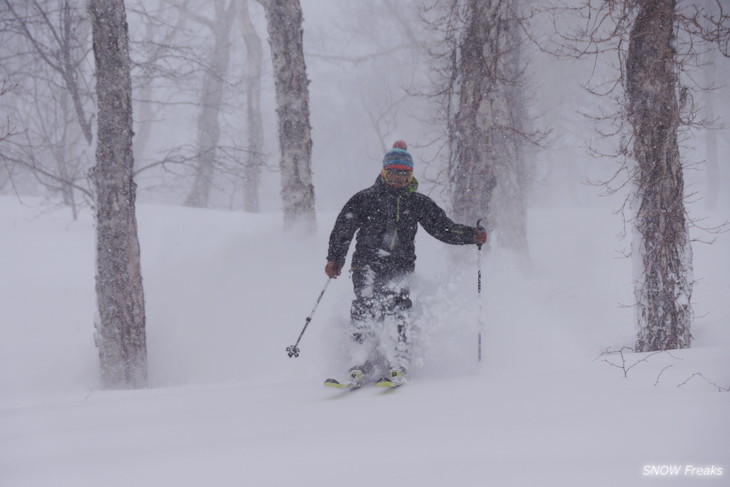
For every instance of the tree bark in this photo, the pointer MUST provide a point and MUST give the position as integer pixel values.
(284, 21)
(662, 251)
(120, 296)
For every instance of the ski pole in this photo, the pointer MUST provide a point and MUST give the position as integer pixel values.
(293, 350)
(479, 292)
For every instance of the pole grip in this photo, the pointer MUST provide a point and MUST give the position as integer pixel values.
(479, 227)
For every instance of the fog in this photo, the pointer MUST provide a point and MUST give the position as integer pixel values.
(368, 87)
(372, 77)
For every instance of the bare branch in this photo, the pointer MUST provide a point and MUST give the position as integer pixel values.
(625, 366)
(709, 381)
(38, 169)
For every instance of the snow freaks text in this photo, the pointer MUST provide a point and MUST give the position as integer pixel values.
(682, 471)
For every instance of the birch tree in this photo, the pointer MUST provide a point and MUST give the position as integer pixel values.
(209, 130)
(159, 54)
(483, 105)
(120, 323)
(254, 118)
(53, 37)
(661, 36)
(284, 25)
(662, 245)
(45, 46)
(6, 131)
(6, 128)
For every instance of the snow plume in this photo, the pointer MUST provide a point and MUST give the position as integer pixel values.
(446, 324)
(523, 327)
(450, 313)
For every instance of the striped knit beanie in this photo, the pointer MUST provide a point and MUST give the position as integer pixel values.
(398, 157)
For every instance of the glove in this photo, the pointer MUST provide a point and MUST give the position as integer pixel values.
(480, 236)
(332, 269)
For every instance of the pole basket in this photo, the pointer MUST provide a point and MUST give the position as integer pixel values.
(292, 351)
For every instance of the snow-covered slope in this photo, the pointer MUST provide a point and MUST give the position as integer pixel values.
(227, 292)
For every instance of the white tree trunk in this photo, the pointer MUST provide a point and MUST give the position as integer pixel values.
(485, 170)
(145, 115)
(60, 150)
(284, 21)
(212, 99)
(120, 297)
(662, 251)
(254, 118)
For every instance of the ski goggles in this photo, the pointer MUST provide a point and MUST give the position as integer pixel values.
(397, 177)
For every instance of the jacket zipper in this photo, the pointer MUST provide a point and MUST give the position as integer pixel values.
(397, 220)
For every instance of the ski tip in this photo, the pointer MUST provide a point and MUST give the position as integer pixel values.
(394, 378)
(336, 384)
(386, 382)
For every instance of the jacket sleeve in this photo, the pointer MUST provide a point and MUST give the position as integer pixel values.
(434, 220)
(347, 223)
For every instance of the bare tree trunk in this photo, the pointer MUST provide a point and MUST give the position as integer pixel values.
(143, 127)
(208, 123)
(284, 21)
(53, 129)
(254, 118)
(59, 56)
(662, 251)
(159, 44)
(59, 150)
(485, 170)
(513, 174)
(713, 170)
(120, 296)
(52, 58)
(471, 173)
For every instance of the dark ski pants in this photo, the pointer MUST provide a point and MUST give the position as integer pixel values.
(382, 297)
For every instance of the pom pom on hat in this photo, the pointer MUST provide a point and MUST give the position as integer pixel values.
(398, 157)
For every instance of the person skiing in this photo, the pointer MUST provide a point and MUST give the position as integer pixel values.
(385, 218)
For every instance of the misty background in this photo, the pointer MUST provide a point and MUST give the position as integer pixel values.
(370, 79)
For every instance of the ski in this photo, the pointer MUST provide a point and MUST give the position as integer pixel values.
(387, 383)
(336, 384)
(393, 379)
(356, 381)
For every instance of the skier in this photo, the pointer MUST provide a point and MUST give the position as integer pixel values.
(385, 217)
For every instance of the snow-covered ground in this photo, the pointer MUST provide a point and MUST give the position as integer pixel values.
(228, 292)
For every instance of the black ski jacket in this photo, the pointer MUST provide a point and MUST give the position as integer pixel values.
(386, 220)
